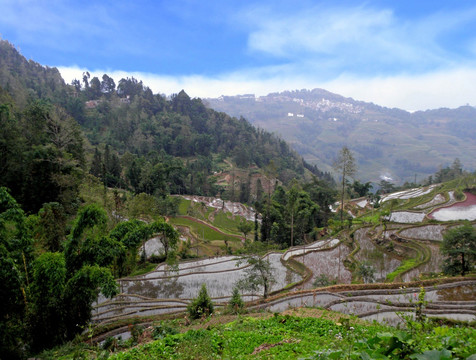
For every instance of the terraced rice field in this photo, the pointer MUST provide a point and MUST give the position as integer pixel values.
(465, 210)
(169, 289)
(409, 194)
(453, 301)
(220, 276)
(318, 245)
(427, 232)
(433, 265)
(439, 199)
(369, 253)
(406, 217)
(329, 263)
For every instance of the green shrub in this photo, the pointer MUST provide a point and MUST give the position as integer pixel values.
(136, 332)
(157, 259)
(366, 272)
(459, 195)
(111, 344)
(201, 306)
(236, 304)
(323, 280)
(162, 330)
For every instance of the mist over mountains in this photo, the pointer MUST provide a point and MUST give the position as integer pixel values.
(388, 143)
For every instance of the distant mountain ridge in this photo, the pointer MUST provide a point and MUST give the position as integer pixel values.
(390, 143)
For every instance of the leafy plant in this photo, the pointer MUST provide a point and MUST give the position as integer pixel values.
(236, 304)
(416, 322)
(323, 280)
(162, 330)
(201, 306)
(366, 272)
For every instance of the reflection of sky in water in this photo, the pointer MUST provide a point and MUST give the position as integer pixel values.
(328, 263)
(433, 265)
(219, 284)
(382, 262)
(465, 210)
(455, 213)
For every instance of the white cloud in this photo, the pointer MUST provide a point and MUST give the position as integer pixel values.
(362, 39)
(450, 88)
(364, 52)
(315, 30)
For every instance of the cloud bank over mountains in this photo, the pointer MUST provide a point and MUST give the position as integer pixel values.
(396, 54)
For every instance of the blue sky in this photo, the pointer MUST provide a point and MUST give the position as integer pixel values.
(414, 55)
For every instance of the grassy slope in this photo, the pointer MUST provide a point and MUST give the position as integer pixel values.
(201, 230)
(301, 333)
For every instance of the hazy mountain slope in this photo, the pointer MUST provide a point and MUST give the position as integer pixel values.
(386, 142)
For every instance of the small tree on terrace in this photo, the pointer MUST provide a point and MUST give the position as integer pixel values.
(459, 246)
(258, 273)
(201, 305)
(366, 272)
(345, 165)
(236, 304)
(168, 236)
(245, 227)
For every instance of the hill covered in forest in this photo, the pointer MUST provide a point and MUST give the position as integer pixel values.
(128, 137)
(388, 143)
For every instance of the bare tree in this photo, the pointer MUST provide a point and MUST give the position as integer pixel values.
(345, 165)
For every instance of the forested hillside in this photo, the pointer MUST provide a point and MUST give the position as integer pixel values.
(85, 174)
(133, 138)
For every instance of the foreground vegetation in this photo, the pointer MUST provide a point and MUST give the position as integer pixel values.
(304, 333)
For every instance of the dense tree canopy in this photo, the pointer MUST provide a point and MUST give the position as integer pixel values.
(295, 213)
(48, 298)
(459, 246)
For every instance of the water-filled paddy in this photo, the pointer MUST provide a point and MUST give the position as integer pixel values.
(219, 276)
(427, 232)
(465, 210)
(329, 263)
(406, 217)
(369, 253)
